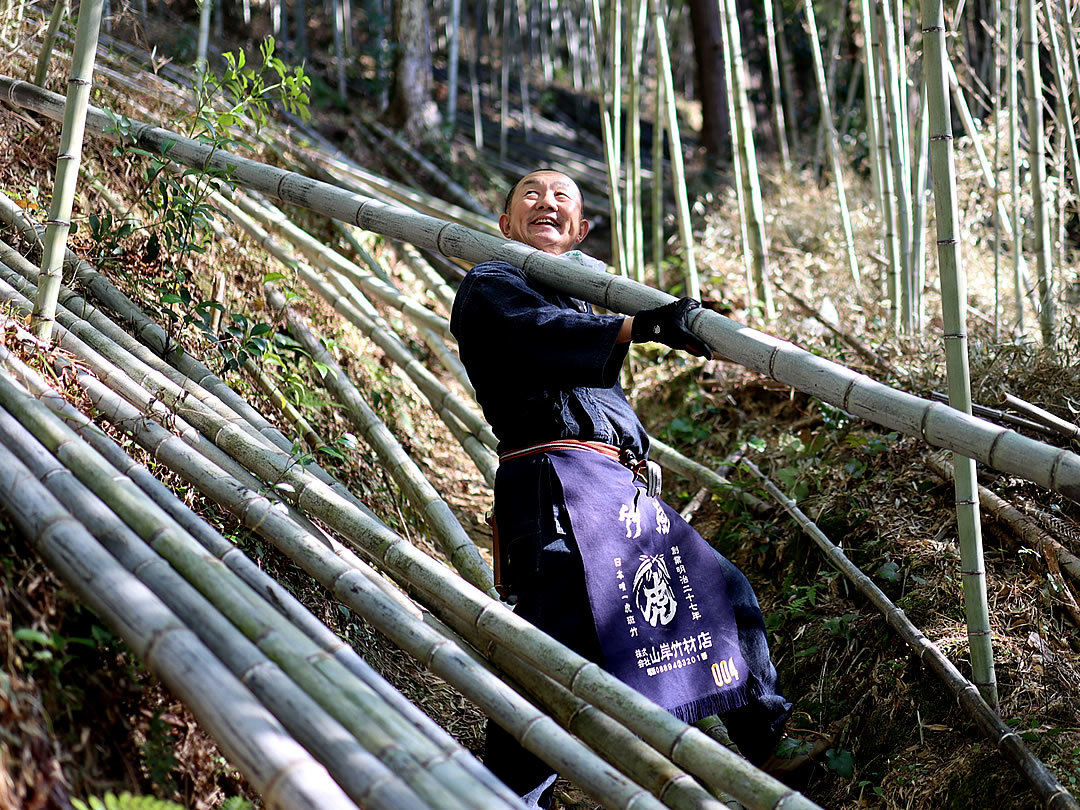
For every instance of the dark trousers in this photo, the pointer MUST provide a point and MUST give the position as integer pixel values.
(549, 580)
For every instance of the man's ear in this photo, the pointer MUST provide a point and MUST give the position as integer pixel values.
(504, 225)
(583, 230)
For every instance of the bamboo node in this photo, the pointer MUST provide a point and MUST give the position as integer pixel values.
(946, 241)
(772, 360)
(79, 81)
(972, 633)
(847, 393)
(60, 223)
(946, 137)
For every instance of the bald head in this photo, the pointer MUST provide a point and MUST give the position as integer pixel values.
(544, 210)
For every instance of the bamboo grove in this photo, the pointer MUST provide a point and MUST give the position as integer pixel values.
(889, 81)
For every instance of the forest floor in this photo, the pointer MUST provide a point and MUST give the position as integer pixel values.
(78, 712)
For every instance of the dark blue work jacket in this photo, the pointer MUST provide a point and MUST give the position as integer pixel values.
(543, 365)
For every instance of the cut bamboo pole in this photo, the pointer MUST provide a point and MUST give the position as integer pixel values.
(349, 701)
(67, 165)
(363, 776)
(1043, 416)
(954, 310)
(940, 426)
(275, 764)
(1052, 793)
(456, 544)
(834, 152)
(1037, 160)
(437, 394)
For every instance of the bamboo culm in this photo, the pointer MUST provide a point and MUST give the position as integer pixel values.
(1049, 789)
(365, 779)
(169, 649)
(942, 427)
(67, 165)
(954, 309)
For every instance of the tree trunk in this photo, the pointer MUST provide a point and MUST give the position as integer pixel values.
(411, 107)
(709, 57)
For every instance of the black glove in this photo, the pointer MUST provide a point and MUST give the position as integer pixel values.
(670, 324)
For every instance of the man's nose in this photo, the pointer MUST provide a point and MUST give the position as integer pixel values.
(548, 200)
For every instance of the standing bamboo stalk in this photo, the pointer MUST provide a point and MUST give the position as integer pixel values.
(609, 132)
(686, 231)
(954, 310)
(42, 70)
(1037, 160)
(894, 91)
(1014, 168)
(67, 166)
(737, 170)
(452, 67)
(1064, 119)
(834, 152)
(774, 81)
(748, 168)
(658, 185)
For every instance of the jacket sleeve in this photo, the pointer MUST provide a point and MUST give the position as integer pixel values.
(506, 327)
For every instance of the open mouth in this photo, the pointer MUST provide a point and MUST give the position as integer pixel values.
(545, 221)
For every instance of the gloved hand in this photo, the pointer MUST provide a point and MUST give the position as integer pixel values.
(670, 324)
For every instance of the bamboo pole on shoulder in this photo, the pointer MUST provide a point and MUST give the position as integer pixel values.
(1052, 793)
(954, 310)
(858, 394)
(276, 765)
(67, 165)
(363, 777)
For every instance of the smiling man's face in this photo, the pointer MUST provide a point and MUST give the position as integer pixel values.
(545, 213)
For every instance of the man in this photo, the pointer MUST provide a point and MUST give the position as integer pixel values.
(592, 557)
